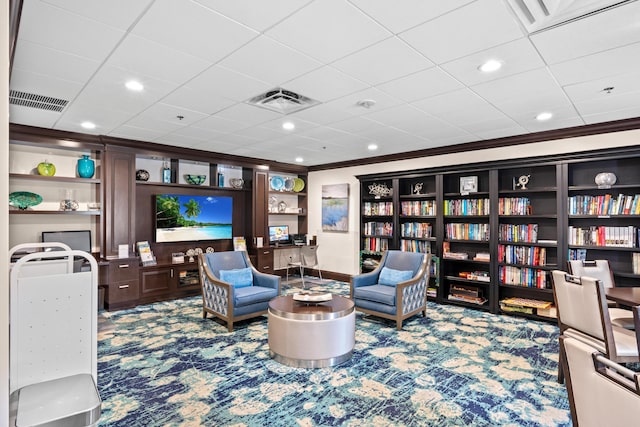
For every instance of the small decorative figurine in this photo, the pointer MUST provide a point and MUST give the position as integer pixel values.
(379, 190)
(417, 189)
(523, 181)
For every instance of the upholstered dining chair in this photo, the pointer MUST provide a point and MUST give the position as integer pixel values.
(601, 270)
(396, 289)
(583, 315)
(308, 259)
(232, 289)
(601, 391)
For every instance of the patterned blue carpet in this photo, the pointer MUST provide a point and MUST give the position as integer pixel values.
(163, 365)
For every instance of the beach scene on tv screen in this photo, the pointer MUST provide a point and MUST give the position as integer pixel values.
(182, 218)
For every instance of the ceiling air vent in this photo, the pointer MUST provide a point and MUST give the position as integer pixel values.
(282, 101)
(539, 15)
(32, 100)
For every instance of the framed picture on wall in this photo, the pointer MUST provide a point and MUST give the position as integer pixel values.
(335, 207)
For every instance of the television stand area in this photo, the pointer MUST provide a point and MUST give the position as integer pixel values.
(274, 259)
(130, 284)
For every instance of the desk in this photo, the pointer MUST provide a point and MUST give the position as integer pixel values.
(268, 259)
(624, 296)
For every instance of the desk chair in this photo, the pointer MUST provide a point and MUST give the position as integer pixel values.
(308, 259)
(600, 269)
(583, 315)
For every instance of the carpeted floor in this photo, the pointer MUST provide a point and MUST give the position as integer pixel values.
(163, 365)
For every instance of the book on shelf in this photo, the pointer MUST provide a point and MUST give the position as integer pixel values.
(455, 255)
(469, 299)
(482, 256)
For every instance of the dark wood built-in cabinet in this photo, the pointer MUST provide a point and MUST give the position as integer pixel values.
(500, 228)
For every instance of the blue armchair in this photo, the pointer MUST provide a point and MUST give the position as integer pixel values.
(396, 289)
(232, 289)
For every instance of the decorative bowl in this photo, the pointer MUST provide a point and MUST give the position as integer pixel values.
(142, 175)
(236, 182)
(605, 179)
(24, 199)
(195, 179)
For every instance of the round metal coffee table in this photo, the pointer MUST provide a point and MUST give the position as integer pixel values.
(311, 335)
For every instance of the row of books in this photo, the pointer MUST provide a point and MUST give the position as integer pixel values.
(518, 233)
(466, 231)
(528, 306)
(378, 228)
(625, 237)
(466, 207)
(605, 204)
(418, 208)
(377, 208)
(514, 206)
(469, 294)
(530, 255)
(635, 262)
(376, 244)
(415, 246)
(419, 230)
(580, 254)
(526, 277)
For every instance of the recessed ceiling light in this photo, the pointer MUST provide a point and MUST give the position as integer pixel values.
(88, 125)
(134, 85)
(544, 116)
(490, 66)
(299, 159)
(288, 126)
(372, 147)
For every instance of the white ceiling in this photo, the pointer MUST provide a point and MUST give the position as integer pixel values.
(418, 60)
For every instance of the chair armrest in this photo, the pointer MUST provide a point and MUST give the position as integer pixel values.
(365, 279)
(266, 280)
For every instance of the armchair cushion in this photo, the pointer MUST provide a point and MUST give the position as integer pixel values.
(391, 277)
(380, 294)
(239, 277)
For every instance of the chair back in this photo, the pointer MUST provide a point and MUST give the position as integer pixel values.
(400, 260)
(581, 304)
(601, 391)
(309, 255)
(230, 260)
(598, 269)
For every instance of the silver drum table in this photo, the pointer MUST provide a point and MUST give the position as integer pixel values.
(311, 335)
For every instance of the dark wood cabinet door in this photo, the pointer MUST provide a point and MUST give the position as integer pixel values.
(119, 201)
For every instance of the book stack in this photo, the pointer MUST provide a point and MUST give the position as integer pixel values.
(635, 262)
(468, 294)
(482, 256)
(528, 306)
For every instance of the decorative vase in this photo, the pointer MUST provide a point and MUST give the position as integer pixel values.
(86, 167)
(605, 179)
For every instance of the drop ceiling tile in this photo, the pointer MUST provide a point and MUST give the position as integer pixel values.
(32, 116)
(610, 102)
(97, 40)
(535, 88)
(500, 133)
(105, 118)
(324, 133)
(324, 84)
(321, 114)
(459, 106)
(160, 62)
(248, 114)
(228, 84)
(484, 126)
(54, 63)
(598, 65)
(384, 61)
(422, 84)
(116, 13)
(136, 133)
(464, 31)
(169, 113)
(517, 56)
(356, 124)
(349, 103)
(328, 30)
(206, 101)
(595, 33)
(195, 133)
(219, 124)
(535, 126)
(300, 125)
(606, 116)
(151, 122)
(174, 139)
(259, 133)
(412, 12)
(259, 15)
(26, 81)
(270, 61)
(604, 89)
(197, 32)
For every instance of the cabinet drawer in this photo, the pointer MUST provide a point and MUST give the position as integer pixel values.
(122, 291)
(264, 260)
(120, 270)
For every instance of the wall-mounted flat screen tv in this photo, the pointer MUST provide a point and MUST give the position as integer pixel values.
(181, 218)
(278, 234)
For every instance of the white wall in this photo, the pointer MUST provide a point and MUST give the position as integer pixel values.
(4, 214)
(338, 252)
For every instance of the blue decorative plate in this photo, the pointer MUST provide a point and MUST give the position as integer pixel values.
(24, 199)
(277, 183)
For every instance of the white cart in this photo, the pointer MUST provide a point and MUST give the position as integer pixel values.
(53, 339)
